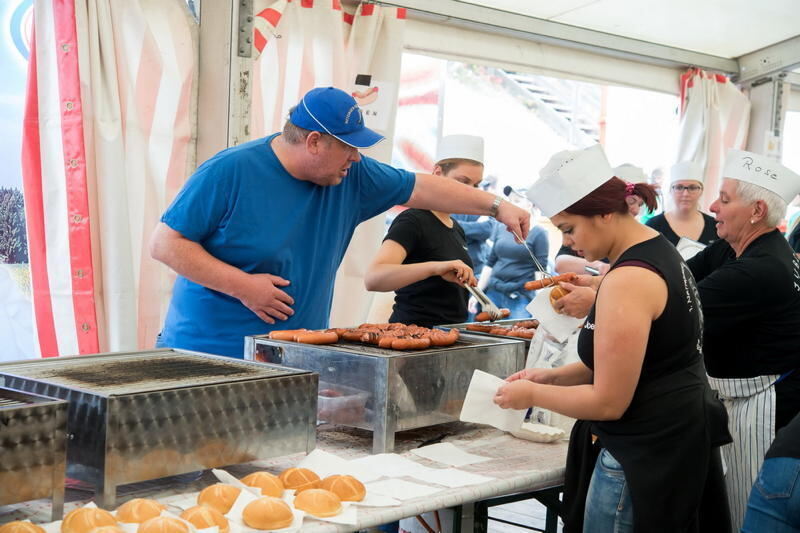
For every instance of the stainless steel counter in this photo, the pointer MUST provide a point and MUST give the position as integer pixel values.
(144, 415)
(385, 391)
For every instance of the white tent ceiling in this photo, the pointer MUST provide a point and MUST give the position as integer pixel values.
(725, 28)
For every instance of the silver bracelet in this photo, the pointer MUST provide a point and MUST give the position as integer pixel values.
(495, 207)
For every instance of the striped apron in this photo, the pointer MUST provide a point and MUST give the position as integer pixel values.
(751, 419)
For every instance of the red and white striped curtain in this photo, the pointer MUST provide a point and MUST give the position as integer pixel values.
(715, 116)
(108, 139)
(312, 43)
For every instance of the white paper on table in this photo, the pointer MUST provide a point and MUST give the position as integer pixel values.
(390, 465)
(326, 464)
(242, 500)
(480, 408)
(183, 501)
(559, 326)
(449, 454)
(51, 527)
(377, 500)
(400, 489)
(452, 478)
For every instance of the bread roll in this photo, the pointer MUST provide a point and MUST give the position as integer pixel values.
(139, 510)
(318, 502)
(347, 488)
(219, 496)
(556, 293)
(85, 519)
(164, 524)
(203, 517)
(268, 513)
(270, 484)
(21, 526)
(299, 479)
(108, 529)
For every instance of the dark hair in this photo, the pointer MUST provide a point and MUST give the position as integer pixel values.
(449, 164)
(610, 198)
(294, 134)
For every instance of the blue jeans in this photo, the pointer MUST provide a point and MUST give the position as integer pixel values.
(608, 503)
(513, 301)
(774, 503)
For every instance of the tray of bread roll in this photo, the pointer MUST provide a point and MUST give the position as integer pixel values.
(385, 389)
(136, 416)
(32, 448)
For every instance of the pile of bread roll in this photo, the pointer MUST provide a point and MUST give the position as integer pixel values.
(321, 498)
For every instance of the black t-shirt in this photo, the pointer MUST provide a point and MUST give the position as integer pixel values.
(666, 350)
(707, 236)
(787, 441)
(751, 306)
(431, 301)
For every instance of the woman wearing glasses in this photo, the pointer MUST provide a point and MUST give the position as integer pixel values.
(684, 219)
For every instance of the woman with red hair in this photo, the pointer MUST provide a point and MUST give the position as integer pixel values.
(641, 386)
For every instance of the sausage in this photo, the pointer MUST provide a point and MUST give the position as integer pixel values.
(317, 337)
(352, 335)
(522, 333)
(285, 334)
(444, 338)
(483, 328)
(547, 282)
(526, 324)
(411, 344)
(386, 342)
(483, 316)
(500, 331)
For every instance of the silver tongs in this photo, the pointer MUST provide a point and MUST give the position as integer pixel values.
(486, 304)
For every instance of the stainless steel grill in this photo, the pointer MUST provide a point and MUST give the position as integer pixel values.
(386, 391)
(143, 415)
(32, 448)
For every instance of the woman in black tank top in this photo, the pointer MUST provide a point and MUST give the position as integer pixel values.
(640, 386)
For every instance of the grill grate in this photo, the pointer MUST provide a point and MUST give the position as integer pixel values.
(142, 372)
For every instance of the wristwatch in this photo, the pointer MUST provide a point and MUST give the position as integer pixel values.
(495, 207)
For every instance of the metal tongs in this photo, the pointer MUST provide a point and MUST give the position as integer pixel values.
(486, 304)
(530, 253)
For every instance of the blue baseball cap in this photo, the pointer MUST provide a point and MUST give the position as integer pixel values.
(333, 111)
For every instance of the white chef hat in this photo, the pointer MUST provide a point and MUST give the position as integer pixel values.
(460, 147)
(686, 170)
(762, 171)
(568, 177)
(630, 173)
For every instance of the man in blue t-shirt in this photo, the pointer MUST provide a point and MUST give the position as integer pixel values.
(257, 233)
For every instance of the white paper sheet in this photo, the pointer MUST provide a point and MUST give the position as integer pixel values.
(688, 248)
(326, 464)
(377, 500)
(559, 326)
(390, 465)
(480, 408)
(449, 454)
(450, 477)
(400, 489)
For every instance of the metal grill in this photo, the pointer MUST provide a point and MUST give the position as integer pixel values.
(141, 372)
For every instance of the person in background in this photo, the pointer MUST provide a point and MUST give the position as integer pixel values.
(774, 503)
(510, 265)
(264, 225)
(683, 218)
(655, 179)
(749, 286)
(641, 386)
(424, 257)
(794, 238)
